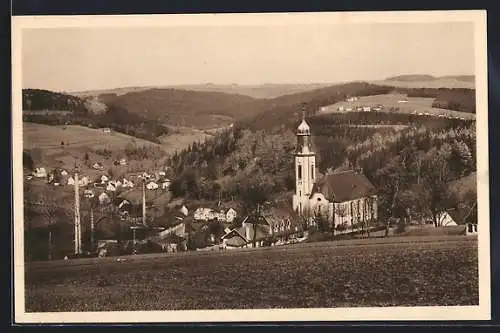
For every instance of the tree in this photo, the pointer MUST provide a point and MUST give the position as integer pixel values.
(437, 176)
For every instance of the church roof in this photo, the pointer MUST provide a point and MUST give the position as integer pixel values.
(344, 186)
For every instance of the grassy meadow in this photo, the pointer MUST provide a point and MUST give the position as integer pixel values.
(398, 271)
(418, 104)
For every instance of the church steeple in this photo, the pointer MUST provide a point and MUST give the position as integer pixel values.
(304, 166)
(303, 135)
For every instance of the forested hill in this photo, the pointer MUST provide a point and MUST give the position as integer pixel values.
(52, 108)
(45, 100)
(179, 107)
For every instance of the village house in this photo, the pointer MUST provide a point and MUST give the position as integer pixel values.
(110, 187)
(39, 173)
(165, 185)
(152, 186)
(203, 214)
(344, 198)
(231, 214)
(88, 194)
(274, 227)
(127, 183)
(98, 166)
(184, 210)
(104, 198)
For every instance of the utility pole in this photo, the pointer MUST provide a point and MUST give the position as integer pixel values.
(92, 245)
(144, 202)
(50, 244)
(78, 235)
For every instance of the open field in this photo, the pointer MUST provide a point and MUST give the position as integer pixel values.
(79, 140)
(49, 137)
(414, 104)
(407, 271)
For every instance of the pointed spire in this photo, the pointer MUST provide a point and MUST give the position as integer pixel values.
(303, 111)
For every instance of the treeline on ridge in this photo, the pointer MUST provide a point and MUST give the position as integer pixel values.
(115, 117)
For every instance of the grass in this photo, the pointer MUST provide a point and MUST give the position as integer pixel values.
(418, 104)
(330, 274)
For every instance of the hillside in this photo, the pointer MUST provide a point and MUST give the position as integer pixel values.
(265, 91)
(47, 107)
(429, 81)
(183, 107)
(411, 77)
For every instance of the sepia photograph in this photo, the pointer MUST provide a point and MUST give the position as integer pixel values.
(251, 167)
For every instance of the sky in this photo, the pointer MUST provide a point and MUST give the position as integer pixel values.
(77, 59)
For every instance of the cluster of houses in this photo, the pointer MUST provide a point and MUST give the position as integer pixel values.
(440, 115)
(270, 228)
(362, 108)
(102, 185)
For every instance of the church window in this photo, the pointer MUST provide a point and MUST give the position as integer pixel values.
(312, 171)
(300, 171)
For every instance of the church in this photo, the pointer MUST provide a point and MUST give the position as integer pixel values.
(346, 198)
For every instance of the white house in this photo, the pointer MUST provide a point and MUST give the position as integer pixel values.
(446, 220)
(110, 187)
(165, 184)
(71, 181)
(104, 179)
(231, 215)
(366, 108)
(203, 214)
(84, 181)
(39, 173)
(115, 183)
(98, 166)
(127, 183)
(123, 161)
(184, 210)
(88, 194)
(64, 173)
(104, 198)
(152, 186)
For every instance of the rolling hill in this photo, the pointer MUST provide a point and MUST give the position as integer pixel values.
(183, 107)
(429, 81)
(265, 91)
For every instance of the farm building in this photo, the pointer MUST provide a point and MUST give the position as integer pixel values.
(343, 198)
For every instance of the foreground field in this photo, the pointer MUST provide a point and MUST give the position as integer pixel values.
(409, 272)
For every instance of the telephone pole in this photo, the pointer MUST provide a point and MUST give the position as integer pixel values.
(143, 202)
(78, 235)
(92, 247)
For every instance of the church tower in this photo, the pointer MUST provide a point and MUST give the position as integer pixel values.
(305, 164)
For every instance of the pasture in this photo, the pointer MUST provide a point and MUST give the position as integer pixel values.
(398, 271)
(413, 104)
